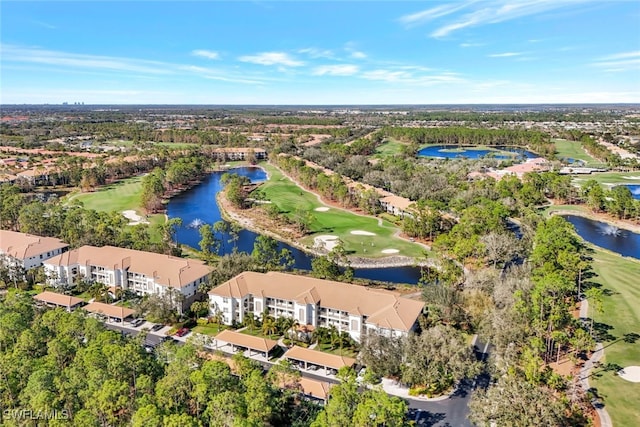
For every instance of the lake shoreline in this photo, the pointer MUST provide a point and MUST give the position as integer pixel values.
(626, 225)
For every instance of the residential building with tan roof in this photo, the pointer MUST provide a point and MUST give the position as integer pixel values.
(108, 310)
(144, 273)
(28, 251)
(396, 205)
(53, 299)
(239, 153)
(319, 303)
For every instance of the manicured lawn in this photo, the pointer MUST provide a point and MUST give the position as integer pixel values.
(336, 222)
(257, 332)
(610, 178)
(573, 150)
(346, 352)
(620, 277)
(211, 329)
(120, 196)
(390, 147)
(575, 208)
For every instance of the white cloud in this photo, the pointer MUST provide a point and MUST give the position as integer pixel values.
(407, 77)
(477, 13)
(358, 55)
(209, 54)
(336, 70)
(272, 58)
(618, 62)
(313, 52)
(623, 55)
(432, 13)
(74, 62)
(471, 44)
(504, 55)
(12, 53)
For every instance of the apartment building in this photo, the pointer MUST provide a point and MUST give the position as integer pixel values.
(310, 301)
(144, 273)
(28, 251)
(237, 153)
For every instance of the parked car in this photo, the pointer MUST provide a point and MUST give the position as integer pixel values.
(137, 322)
(182, 332)
(157, 327)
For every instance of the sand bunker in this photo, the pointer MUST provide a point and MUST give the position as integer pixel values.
(362, 233)
(631, 177)
(630, 373)
(321, 209)
(326, 241)
(390, 251)
(134, 218)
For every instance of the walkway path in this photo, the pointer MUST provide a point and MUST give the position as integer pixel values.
(585, 371)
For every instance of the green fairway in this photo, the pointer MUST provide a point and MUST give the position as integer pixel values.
(574, 208)
(337, 222)
(573, 150)
(390, 147)
(610, 178)
(620, 279)
(120, 196)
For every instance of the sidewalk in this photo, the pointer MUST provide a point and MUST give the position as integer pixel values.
(585, 372)
(392, 387)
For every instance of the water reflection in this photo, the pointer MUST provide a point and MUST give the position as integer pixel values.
(621, 241)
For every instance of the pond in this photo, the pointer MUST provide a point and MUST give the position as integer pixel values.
(473, 152)
(198, 206)
(621, 241)
(635, 190)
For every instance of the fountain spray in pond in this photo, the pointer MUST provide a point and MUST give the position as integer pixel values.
(196, 223)
(609, 230)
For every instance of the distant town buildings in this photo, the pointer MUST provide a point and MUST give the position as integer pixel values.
(310, 301)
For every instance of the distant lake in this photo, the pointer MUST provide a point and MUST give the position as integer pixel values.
(470, 152)
(621, 241)
(198, 206)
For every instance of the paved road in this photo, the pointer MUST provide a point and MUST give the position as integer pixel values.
(450, 412)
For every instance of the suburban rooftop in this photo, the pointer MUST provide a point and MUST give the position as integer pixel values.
(22, 245)
(166, 270)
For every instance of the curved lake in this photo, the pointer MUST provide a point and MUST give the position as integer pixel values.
(198, 206)
(470, 152)
(607, 236)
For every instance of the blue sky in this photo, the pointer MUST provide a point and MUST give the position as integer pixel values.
(313, 52)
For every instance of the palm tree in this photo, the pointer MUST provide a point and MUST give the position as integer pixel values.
(321, 335)
(99, 292)
(269, 326)
(249, 321)
(334, 337)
